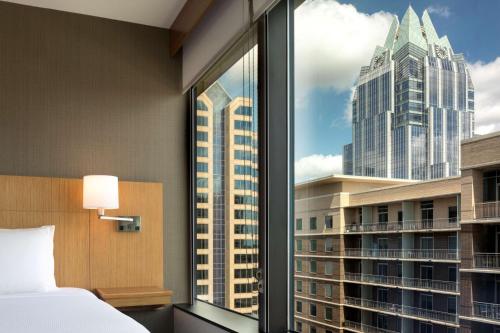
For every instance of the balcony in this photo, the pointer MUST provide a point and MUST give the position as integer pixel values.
(410, 283)
(488, 261)
(444, 224)
(358, 327)
(487, 210)
(409, 254)
(488, 311)
(406, 311)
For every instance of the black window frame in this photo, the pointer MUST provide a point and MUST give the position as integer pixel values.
(276, 172)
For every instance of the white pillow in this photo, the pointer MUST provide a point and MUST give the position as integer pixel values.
(27, 260)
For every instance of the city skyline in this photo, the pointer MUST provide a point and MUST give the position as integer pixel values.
(326, 69)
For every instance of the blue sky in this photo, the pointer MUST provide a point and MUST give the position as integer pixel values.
(333, 39)
(322, 127)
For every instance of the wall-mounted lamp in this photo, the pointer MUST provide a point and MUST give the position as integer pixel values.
(101, 192)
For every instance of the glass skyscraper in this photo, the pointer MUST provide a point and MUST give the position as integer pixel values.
(412, 106)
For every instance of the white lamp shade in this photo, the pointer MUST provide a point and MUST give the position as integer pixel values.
(100, 192)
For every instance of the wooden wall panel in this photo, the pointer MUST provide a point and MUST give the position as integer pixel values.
(129, 259)
(88, 252)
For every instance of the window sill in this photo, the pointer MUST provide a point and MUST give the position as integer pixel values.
(225, 319)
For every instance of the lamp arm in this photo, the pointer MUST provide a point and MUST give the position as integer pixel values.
(115, 218)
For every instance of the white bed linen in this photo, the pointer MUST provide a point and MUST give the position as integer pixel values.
(68, 310)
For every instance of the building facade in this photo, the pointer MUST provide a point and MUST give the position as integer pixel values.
(411, 106)
(387, 255)
(227, 201)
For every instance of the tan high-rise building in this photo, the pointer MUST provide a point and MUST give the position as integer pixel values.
(227, 201)
(382, 255)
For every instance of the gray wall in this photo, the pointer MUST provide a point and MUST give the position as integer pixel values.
(82, 95)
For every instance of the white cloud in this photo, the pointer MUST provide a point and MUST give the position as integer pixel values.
(332, 42)
(315, 166)
(486, 79)
(443, 11)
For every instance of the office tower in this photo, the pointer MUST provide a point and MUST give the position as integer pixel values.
(227, 200)
(412, 105)
(392, 255)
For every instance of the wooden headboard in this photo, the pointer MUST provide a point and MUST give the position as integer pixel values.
(89, 253)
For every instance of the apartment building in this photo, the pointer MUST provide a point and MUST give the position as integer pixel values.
(480, 235)
(380, 255)
(227, 201)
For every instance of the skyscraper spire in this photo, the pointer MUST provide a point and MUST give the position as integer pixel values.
(430, 31)
(391, 36)
(410, 31)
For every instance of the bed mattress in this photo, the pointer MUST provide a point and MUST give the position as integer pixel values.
(69, 310)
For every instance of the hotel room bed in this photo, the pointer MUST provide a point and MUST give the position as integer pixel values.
(62, 310)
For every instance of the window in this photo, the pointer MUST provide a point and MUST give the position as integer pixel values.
(452, 243)
(383, 243)
(328, 291)
(202, 136)
(312, 310)
(298, 224)
(312, 329)
(202, 182)
(312, 223)
(245, 273)
(202, 228)
(328, 222)
(328, 268)
(382, 269)
(328, 313)
(202, 274)
(452, 273)
(427, 211)
(298, 306)
(426, 301)
(313, 245)
(246, 229)
(425, 328)
(202, 243)
(245, 258)
(227, 181)
(405, 114)
(202, 121)
(243, 155)
(202, 259)
(245, 140)
(298, 326)
(313, 266)
(245, 200)
(242, 125)
(452, 214)
(202, 152)
(382, 294)
(328, 244)
(202, 290)
(452, 304)
(312, 288)
(383, 214)
(202, 213)
(426, 243)
(426, 272)
(298, 245)
(298, 286)
(298, 265)
(244, 110)
(201, 167)
(382, 321)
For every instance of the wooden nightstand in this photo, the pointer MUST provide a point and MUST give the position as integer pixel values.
(135, 297)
